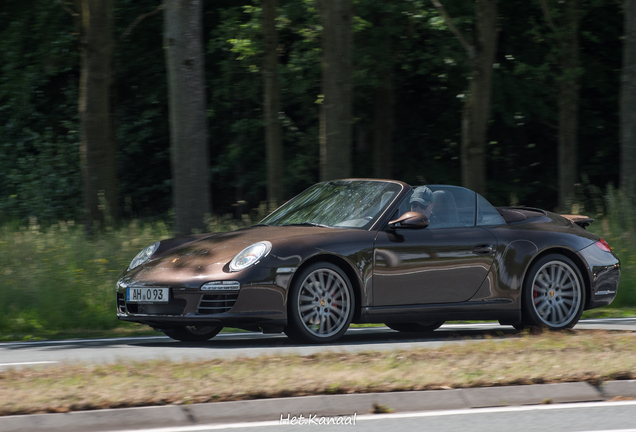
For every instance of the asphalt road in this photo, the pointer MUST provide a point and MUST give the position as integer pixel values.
(461, 409)
(229, 345)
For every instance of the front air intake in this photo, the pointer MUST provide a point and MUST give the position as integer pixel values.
(216, 303)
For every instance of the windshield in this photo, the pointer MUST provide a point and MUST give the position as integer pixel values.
(338, 204)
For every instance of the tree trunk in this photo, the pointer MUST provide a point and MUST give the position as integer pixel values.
(569, 85)
(188, 122)
(383, 126)
(336, 108)
(97, 138)
(628, 105)
(477, 107)
(273, 141)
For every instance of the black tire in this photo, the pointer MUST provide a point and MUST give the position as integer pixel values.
(553, 294)
(193, 333)
(320, 304)
(418, 327)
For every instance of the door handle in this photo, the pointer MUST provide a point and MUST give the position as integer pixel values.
(483, 249)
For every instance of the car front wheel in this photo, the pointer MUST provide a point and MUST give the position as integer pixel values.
(193, 333)
(321, 304)
(553, 293)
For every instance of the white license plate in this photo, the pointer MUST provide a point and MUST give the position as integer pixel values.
(147, 295)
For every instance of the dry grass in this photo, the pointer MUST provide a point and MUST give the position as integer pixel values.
(550, 357)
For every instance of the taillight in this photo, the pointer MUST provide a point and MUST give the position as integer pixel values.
(602, 244)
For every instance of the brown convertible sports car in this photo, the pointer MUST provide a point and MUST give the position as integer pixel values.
(373, 251)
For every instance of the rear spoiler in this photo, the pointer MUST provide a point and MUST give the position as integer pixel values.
(580, 220)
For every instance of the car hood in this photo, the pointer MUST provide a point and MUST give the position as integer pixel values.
(218, 249)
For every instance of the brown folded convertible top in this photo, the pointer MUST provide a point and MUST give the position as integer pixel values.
(580, 220)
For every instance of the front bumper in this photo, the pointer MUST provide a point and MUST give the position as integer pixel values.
(604, 271)
(248, 306)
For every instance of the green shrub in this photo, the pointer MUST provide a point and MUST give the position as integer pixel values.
(55, 279)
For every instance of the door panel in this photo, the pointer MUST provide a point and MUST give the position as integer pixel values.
(430, 265)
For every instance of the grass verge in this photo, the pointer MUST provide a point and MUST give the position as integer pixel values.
(529, 359)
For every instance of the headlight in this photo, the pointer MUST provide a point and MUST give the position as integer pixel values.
(143, 256)
(250, 256)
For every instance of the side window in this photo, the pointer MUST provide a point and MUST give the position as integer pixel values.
(487, 214)
(454, 207)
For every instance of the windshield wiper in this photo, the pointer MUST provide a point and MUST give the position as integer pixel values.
(308, 224)
(259, 224)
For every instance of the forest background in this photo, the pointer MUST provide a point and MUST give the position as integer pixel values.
(557, 119)
(427, 68)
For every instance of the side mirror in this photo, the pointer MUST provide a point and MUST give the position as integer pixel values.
(410, 220)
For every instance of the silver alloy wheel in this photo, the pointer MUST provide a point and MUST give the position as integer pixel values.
(324, 303)
(556, 294)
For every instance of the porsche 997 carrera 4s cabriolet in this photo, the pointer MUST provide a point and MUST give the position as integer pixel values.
(373, 251)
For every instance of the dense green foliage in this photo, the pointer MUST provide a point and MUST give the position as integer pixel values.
(54, 279)
(39, 72)
(39, 160)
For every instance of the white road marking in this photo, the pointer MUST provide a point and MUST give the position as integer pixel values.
(27, 363)
(121, 339)
(68, 341)
(372, 417)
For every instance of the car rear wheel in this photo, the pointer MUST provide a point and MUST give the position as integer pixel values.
(321, 304)
(553, 293)
(417, 327)
(193, 333)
